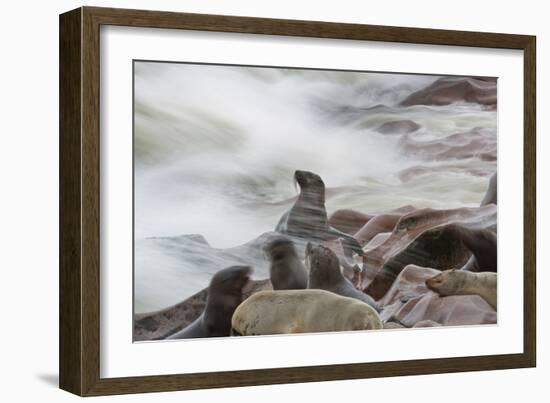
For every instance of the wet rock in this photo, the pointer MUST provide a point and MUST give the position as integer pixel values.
(448, 90)
(378, 240)
(427, 323)
(393, 325)
(440, 239)
(183, 265)
(411, 303)
(160, 324)
(398, 127)
(348, 221)
(378, 224)
(169, 320)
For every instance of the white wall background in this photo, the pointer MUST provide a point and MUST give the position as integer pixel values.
(29, 198)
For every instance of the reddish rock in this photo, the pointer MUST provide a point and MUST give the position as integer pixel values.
(348, 221)
(411, 303)
(351, 221)
(402, 210)
(159, 324)
(430, 238)
(410, 284)
(378, 240)
(393, 325)
(427, 323)
(448, 90)
(378, 224)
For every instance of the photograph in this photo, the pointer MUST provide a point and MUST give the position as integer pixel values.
(275, 200)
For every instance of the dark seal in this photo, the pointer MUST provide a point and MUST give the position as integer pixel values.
(325, 274)
(307, 219)
(483, 245)
(286, 270)
(225, 293)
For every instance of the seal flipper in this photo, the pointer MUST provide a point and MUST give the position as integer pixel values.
(234, 333)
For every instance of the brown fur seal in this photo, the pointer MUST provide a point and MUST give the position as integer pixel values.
(302, 311)
(460, 282)
(286, 271)
(307, 219)
(325, 274)
(225, 293)
(483, 245)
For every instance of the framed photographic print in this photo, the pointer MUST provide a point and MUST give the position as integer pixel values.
(250, 201)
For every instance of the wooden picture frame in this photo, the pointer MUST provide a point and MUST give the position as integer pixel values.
(80, 199)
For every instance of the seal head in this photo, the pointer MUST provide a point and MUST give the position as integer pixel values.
(286, 271)
(443, 285)
(324, 267)
(311, 185)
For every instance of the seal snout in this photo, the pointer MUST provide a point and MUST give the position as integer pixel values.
(440, 282)
(433, 283)
(300, 178)
(233, 277)
(246, 273)
(298, 174)
(319, 255)
(239, 270)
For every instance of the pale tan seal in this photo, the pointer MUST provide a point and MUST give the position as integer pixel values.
(302, 311)
(462, 282)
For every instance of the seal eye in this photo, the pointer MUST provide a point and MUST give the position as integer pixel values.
(278, 255)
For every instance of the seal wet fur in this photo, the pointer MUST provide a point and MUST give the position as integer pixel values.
(307, 219)
(225, 293)
(286, 271)
(325, 274)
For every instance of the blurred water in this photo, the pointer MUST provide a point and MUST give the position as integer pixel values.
(216, 148)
